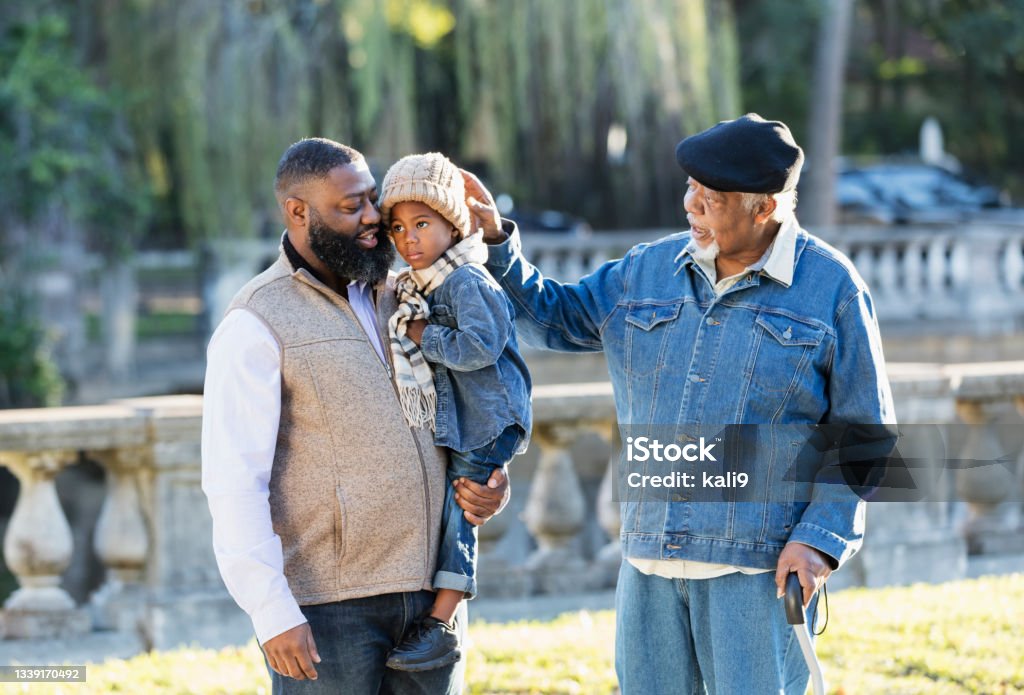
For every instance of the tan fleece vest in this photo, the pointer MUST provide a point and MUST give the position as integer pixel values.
(355, 495)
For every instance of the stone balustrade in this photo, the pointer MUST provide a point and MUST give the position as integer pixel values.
(968, 277)
(970, 273)
(153, 535)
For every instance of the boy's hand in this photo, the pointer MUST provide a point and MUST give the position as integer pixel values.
(481, 502)
(483, 209)
(414, 330)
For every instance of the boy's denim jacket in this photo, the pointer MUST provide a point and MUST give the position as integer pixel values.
(760, 354)
(482, 382)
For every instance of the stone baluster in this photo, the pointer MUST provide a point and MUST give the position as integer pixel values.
(913, 271)
(609, 517)
(37, 548)
(960, 264)
(936, 267)
(554, 513)
(1012, 265)
(888, 270)
(864, 260)
(992, 491)
(121, 540)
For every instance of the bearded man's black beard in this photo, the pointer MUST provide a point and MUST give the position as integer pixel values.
(343, 255)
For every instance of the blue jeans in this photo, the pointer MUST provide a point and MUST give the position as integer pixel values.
(354, 638)
(456, 559)
(728, 635)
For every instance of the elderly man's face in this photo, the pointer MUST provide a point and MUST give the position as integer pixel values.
(718, 216)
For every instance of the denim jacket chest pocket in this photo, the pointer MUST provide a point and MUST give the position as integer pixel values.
(648, 335)
(785, 350)
(443, 315)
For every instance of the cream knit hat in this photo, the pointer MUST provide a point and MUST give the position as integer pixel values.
(428, 178)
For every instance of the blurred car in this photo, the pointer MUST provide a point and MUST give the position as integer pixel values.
(910, 194)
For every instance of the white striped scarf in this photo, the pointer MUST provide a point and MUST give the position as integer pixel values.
(413, 375)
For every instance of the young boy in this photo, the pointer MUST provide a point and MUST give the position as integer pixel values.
(452, 316)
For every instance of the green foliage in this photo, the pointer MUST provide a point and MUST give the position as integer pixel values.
(61, 148)
(523, 90)
(776, 73)
(976, 83)
(948, 639)
(961, 61)
(28, 377)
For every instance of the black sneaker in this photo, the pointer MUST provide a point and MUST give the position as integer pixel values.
(427, 644)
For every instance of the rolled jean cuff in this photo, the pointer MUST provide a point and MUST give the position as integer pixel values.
(456, 582)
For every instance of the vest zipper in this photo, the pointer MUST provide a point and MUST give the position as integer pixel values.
(389, 368)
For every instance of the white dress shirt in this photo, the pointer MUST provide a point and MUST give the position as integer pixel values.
(241, 413)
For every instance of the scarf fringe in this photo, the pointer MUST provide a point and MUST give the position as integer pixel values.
(418, 406)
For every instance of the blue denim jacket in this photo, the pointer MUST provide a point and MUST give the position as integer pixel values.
(761, 353)
(481, 380)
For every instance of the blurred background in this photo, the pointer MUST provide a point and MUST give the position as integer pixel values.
(138, 144)
(138, 139)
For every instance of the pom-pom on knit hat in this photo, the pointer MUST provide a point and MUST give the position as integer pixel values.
(429, 178)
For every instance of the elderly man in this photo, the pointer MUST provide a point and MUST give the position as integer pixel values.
(768, 326)
(326, 505)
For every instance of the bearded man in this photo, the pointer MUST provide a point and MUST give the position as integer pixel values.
(326, 505)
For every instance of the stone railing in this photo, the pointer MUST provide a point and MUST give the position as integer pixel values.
(970, 276)
(970, 273)
(153, 536)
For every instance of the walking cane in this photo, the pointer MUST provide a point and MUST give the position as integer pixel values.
(795, 617)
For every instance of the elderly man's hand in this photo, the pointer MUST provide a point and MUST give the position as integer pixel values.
(293, 653)
(483, 209)
(481, 502)
(810, 564)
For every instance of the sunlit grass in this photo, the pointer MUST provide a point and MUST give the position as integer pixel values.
(956, 638)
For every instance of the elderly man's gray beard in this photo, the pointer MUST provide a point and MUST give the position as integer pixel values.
(343, 255)
(706, 253)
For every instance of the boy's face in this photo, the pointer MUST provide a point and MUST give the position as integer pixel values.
(420, 233)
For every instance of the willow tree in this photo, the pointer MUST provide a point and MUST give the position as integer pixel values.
(541, 84)
(527, 89)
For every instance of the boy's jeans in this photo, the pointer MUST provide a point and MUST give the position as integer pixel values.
(728, 633)
(456, 559)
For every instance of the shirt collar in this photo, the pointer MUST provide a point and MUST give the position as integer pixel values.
(778, 262)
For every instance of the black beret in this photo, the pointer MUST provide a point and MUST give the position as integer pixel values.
(748, 154)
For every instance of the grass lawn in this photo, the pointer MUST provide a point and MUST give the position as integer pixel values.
(961, 637)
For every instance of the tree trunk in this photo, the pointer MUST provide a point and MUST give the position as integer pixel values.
(818, 192)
